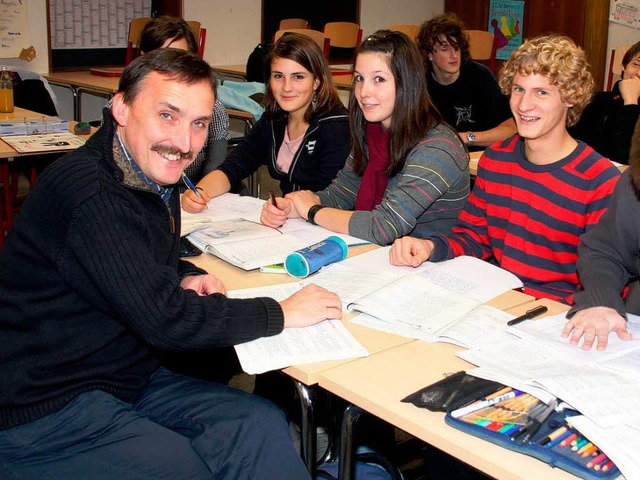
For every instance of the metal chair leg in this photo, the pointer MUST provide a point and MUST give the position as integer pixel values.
(308, 436)
(347, 465)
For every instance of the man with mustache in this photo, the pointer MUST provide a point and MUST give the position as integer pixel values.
(92, 288)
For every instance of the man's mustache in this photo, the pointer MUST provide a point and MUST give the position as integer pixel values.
(168, 150)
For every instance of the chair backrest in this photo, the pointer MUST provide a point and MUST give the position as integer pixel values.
(615, 63)
(410, 30)
(286, 23)
(343, 34)
(136, 26)
(480, 44)
(200, 34)
(315, 35)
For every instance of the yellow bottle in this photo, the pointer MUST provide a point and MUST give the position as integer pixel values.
(6, 91)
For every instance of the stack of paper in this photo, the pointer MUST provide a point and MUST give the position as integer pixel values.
(328, 340)
(49, 142)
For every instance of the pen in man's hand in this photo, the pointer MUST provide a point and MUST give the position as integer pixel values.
(534, 312)
(192, 187)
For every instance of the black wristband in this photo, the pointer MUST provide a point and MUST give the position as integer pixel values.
(311, 214)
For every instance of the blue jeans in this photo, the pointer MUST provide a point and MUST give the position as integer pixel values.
(181, 428)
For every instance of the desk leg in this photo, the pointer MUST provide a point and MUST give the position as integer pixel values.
(349, 419)
(308, 426)
(77, 108)
(74, 95)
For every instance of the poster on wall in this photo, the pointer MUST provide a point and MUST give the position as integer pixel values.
(13, 28)
(625, 12)
(505, 23)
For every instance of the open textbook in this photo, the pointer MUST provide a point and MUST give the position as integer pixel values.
(230, 229)
(244, 243)
(422, 305)
(371, 276)
(327, 340)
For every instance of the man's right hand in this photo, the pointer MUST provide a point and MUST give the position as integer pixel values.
(309, 306)
(410, 251)
(192, 203)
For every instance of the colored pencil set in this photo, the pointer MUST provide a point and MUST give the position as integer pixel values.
(507, 416)
(518, 420)
(567, 437)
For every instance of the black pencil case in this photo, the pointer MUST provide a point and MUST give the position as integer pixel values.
(561, 457)
(452, 391)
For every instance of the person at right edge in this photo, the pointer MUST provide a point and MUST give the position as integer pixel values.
(608, 121)
(608, 260)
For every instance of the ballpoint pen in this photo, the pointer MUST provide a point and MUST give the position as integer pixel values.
(534, 312)
(272, 197)
(192, 187)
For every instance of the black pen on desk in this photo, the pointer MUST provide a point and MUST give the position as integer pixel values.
(192, 187)
(534, 312)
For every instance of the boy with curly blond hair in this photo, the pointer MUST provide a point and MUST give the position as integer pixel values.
(538, 191)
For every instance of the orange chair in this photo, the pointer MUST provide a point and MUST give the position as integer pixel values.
(136, 26)
(482, 47)
(287, 23)
(410, 31)
(615, 63)
(315, 35)
(201, 35)
(342, 35)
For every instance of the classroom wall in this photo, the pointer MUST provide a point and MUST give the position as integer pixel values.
(232, 33)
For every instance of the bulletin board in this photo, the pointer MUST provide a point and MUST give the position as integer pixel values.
(87, 33)
(14, 32)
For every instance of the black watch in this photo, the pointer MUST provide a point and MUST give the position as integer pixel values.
(311, 214)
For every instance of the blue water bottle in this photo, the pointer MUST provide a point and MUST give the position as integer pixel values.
(306, 261)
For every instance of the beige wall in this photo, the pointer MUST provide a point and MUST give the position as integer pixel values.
(232, 33)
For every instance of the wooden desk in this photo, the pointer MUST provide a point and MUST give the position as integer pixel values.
(307, 375)
(473, 162)
(234, 278)
(83, 82)
(373, 340)
(378, 383)
(236, 71)
(7, 155)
